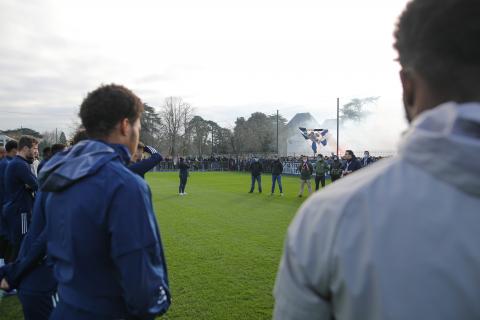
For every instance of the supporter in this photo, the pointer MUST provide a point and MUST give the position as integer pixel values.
(351, 163)
(306, 170)
(277, 170)
(256, 173)
(321, 168)
(366, 160)
(400, 240)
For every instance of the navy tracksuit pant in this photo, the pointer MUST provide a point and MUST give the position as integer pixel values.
(37, 306)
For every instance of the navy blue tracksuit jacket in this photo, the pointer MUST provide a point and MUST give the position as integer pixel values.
(3, 167)
(143, 166)
(31, 273)
(20, 184)
(102, 235)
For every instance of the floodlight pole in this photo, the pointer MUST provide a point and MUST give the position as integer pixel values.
(277, 132)
(338, 122)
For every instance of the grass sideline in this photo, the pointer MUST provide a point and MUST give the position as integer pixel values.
(222, 244)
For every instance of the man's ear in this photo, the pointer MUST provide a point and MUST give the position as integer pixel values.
(124, 127)
(408, 86)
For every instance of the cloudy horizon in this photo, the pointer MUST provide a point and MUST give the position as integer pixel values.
(226, 58)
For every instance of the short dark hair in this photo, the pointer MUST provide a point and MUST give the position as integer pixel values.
(47, 150)
(57, 147)
(106, 106)
(26, 141)
(440, 40)
(10, 145)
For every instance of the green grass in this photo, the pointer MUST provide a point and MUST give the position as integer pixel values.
(222, 244)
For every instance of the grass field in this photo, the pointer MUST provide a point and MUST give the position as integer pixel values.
(222, 244)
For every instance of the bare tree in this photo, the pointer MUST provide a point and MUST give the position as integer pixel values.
(187, 115)
(174, 114)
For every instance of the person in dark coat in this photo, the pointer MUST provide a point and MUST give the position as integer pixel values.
(256, 173)
(321, 168)
(11, 149)
(277, 170)
(366, 160)
(351, 163)
(183, 175)
(20, 185)
(306, 171)
(31, 274)
(336, 169)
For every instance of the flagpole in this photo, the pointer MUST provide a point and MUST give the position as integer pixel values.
(338, 122)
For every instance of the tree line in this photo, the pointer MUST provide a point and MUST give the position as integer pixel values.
(174, 128)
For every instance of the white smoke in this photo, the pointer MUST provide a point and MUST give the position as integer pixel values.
(378, 132)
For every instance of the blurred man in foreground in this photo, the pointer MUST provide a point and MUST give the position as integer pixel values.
(399, 240)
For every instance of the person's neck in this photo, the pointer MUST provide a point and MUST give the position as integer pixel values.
(22, 155)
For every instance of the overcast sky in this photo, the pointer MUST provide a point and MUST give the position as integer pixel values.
(226, 58)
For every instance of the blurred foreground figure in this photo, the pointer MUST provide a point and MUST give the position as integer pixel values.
(399, 240)
(102, 234)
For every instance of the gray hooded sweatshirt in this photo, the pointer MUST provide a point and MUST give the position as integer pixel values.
(398, 240)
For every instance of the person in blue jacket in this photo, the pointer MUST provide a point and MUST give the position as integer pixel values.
(11, 149)
(141, 166)
(31, 274)
(102, 234)
(20, 186)
(47, 154)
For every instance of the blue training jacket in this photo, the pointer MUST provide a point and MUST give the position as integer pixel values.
(143, 166)
(3, 167)
(30, 272)
(20, 184)
(102, 235)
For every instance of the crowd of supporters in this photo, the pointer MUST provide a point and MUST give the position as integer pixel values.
(243, 164)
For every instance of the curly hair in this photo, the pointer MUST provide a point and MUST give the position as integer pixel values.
(440, 41)
(106, 106)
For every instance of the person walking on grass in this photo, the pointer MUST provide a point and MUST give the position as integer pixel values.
(306, 170)
(183, 174)
(321, 168)
(277, 170)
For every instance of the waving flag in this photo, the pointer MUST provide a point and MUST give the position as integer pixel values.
(316, 136)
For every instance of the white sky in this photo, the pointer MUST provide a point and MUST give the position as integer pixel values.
(226, 58)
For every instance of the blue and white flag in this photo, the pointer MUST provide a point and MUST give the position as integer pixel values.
(316, 136)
